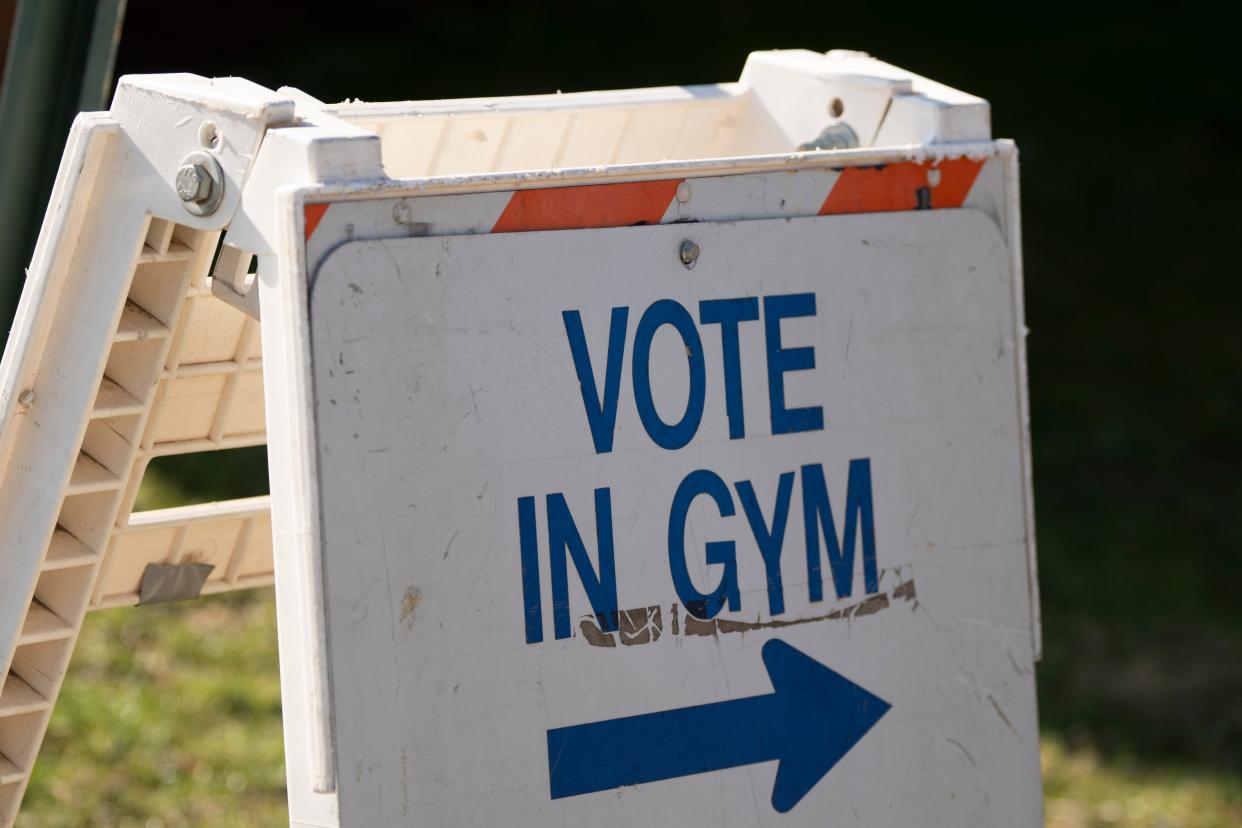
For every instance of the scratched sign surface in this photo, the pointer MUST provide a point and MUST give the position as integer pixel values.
(611, 540)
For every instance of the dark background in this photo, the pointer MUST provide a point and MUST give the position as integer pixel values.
(1129, 126)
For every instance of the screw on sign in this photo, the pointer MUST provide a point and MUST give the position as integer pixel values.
(689, 254)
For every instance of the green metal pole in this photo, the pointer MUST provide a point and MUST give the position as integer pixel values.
(59, 62)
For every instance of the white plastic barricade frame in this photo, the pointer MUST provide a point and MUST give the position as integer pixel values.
(651, 456)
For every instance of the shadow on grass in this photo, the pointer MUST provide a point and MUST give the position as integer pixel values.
(1142, 633)
(1173, 692)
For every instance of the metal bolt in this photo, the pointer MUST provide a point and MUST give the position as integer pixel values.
(689, 254)
(193, 183)
(836, 136)
(199, 183)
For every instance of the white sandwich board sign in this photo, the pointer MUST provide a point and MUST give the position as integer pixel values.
(611, 489)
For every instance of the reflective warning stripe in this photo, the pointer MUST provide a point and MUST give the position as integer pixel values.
(906, 185)
(885, 188)
(597, 205)
(903, 186)
(314, 214)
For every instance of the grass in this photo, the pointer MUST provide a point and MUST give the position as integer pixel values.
(170, 717)
(1082, 789)
(171, 714)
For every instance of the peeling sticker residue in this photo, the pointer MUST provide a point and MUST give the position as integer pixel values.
(645, 625)
(594, 635)
(409, 602)
(640, 626)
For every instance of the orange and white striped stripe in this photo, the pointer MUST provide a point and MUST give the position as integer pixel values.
(902, 185)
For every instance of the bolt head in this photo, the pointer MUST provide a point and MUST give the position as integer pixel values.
(689, 254)
(193, 183)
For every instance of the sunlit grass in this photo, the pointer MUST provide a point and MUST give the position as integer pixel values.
(171, 716)
(1084, 790)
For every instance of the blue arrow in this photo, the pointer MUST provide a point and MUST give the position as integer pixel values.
(810, 722)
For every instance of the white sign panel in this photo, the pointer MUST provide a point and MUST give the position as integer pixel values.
(610, 539)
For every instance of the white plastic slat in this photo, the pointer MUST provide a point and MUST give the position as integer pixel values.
(18, 697)
(43, 625)
(207, 369)
(115, 401)
(177, 252)
(89, 475)
(163, 449)
(67, 551)
(211, 394)
(137, 324)
(234, 537)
